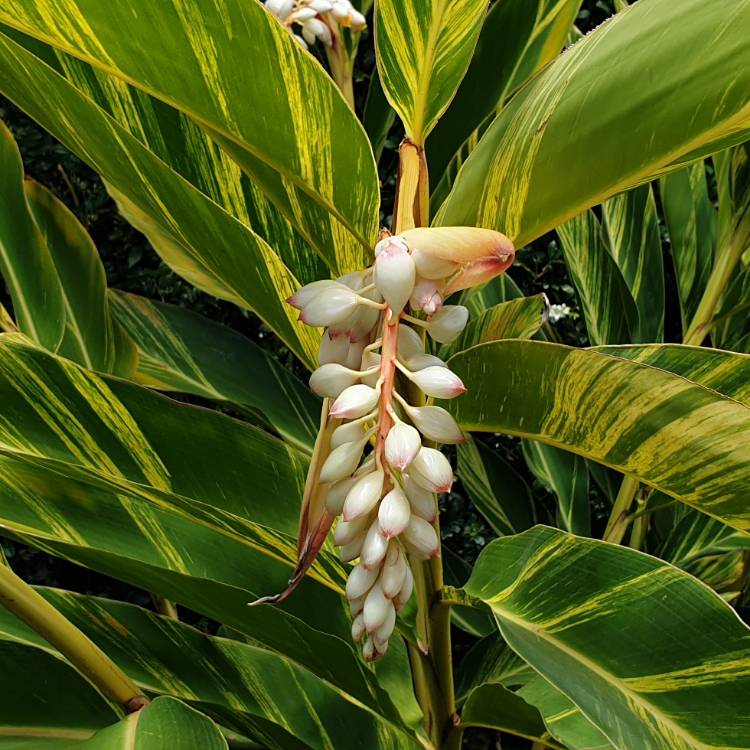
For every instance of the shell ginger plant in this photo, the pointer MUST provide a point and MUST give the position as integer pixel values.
(604, 455)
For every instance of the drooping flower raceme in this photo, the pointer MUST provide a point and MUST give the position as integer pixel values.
(382, 480)
(316, 19)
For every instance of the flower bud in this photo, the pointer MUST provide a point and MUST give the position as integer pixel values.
(354, 402)
(304, 14)
(394, 274)
(348, 432)
(356, 605)
(332, 305)
(421, 538)
(409, 342)
(357, 20)
(364, 495)
(420, 361)
(309, 292)
(358, 628)
(435, 423)
(394, 571)
(342, 461)
(363, 323)
(333, 349)
(341, 11)
(320, 6)
(354, 354)
(280, 8)
(425, 297)
(437, 382)
(318, 29)
(329, 380)
(347, 531)
(431, 470)
(369, 652)
(383, 633)
(302, 43)
(360, 581)
(432, 267)
(376, 608)
(336, 496)
(447, 323)
(351, 551)
(404, 595)
(369, 360)
(374, 547)
(402, 443)
(393, 513)
(422, 501)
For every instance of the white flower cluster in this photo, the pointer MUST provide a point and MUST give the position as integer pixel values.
(316, 19)
(385, 496)
(558, 312)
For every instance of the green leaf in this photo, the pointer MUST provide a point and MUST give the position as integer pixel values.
(243, 77)
(495, 488)
(607, 305)
(732, 324)
(471, 620)
(569, 139)
(673, 434)
(691, 223)
(194, 235)
(178, 500)
(248, 689)
(24, 258)
(567, 476)
(423, 49)
(517, 39)
(517, 319)
(651, 657)
(182, 351)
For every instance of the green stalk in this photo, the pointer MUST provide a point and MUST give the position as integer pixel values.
(618, 517)
(33, 609)
(341, 70)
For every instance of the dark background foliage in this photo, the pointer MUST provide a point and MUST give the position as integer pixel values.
(131, 265)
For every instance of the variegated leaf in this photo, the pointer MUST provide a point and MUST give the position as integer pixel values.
(673, 434)
(193, 234)
(247, 689)
(423, 49)
(567, 141)
(243, 77)
(651, 657)
(182, 351)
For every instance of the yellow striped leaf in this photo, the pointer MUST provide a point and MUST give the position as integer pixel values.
(182, 351)
(423, 49)
(235, 70)
(593, 619)
(194, 235)
(250, 690)
(577, 117)
(673, 434)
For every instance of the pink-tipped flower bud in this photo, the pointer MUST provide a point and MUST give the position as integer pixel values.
(336, 496)
(421, 538)
(358, 628)
(394, 273)
(420, 361)
(402, 443)
(422, 501)
(409, 342)
(356, 605)
(360, 581)
(369, 652)
(351, 551)
(432, 267)
(447, 323)
(435, 423)
(426, 297)
(374, 547)
(330, 380)
(364, 495)
(333, 349)
(394, 571)
(404, 595)
(369, 361)
(393, 513)
(431, 470)
(376, 608)
(309, 292)
(438, 382)
(348, 432)
(348, 531)
(342, 461)
(383, 633)
(355, 401)
(330, 306)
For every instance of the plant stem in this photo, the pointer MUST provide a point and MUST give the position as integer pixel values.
(164, 606)
(33, 609)
(618, 517)
(341, 71)
(432, 672)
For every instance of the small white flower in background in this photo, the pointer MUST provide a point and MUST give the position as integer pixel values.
(558, 312)
(382, 481)
(316, 20)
